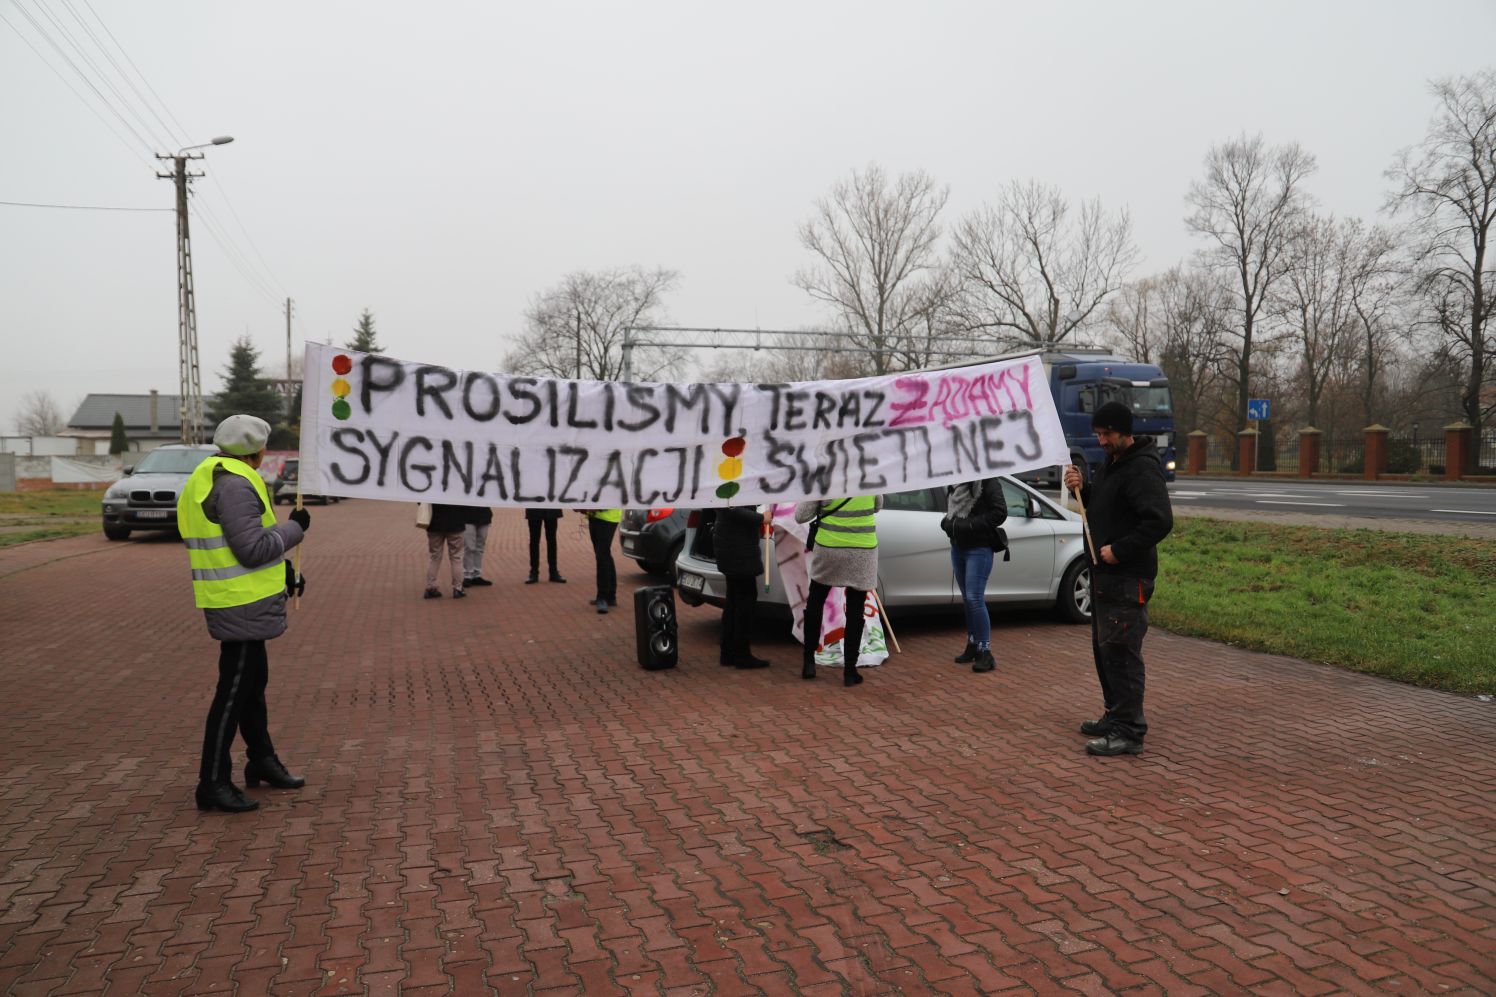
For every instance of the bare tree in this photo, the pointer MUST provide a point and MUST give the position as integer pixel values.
(1448, 184)
(1316, 297)
(576, 328)
(39, 415)
(1132, 321)
(878, 265)
(1031, 273)
(1245, 205)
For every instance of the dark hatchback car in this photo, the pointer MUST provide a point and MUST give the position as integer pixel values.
(146, 497)
(653, 537)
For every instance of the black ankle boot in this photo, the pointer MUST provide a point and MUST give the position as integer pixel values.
(984, 662)
(270, 770)
(850, 675)
(533, 578)
(970, 654)
(223, 796)
(808, 670)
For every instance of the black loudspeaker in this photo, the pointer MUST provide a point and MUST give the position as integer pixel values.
(654, 627)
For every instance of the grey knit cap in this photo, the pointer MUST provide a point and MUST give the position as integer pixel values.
(241, 435)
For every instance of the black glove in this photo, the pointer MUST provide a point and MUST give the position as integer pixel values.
(301, 518)
(295, 584)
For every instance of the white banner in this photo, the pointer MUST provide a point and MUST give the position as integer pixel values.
(376, 427)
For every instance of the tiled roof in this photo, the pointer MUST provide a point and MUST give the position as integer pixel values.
(97, 412)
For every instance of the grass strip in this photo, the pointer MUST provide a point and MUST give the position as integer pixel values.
(1411, 607)
(58, 502)
(47, 533)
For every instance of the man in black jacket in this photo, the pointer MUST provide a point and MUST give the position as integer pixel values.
(1127, 507)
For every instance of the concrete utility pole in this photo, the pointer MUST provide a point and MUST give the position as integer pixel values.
(189, 374)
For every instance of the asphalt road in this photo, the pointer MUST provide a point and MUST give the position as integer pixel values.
(1383, 500)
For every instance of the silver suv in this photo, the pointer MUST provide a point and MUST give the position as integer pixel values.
(146, 497)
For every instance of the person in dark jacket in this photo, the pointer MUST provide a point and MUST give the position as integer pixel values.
(975, 513)
(535, 519)
(736, 535)
(445, 532)
(1128, 512)
(240, 580)
(474, 543)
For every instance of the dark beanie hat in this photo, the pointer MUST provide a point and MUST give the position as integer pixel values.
(1114, 416)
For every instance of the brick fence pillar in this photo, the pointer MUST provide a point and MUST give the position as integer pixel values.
(1459, 449)
(1246, 451)
(1309, 441)
(1375, 463)
(1198, 442)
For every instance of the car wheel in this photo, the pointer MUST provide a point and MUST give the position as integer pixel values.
(1074, 601)
(114, 532)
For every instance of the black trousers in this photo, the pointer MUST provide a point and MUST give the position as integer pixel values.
(550, 544)
(815, 608)
(737, 617)
(238, 706)
(1119, 621)
(600, 531)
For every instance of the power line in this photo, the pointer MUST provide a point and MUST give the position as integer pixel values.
(102, 76)
(77, 207)
(173, 117)
(40, 30)
(65, 82)
(117, 67)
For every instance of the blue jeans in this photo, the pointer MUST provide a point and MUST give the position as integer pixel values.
(972, 567)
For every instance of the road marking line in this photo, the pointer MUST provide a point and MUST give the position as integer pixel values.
(1466, 512)
(1384, 493)
(1327, 505)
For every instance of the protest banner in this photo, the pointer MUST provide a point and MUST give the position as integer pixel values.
(377, 427)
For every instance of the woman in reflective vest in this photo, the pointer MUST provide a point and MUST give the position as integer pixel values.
(236, 551)
(845, 555)
(602, 524)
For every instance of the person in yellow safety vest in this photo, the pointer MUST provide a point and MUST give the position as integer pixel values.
(240, 581)
(602, 524)
(844, 539)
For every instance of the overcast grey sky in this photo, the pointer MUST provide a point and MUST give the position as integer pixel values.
(443, 163)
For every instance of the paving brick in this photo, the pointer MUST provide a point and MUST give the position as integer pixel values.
(500, 799)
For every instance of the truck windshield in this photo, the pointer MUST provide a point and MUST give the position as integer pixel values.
(1144, 401)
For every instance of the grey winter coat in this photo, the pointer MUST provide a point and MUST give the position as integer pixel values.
(233, 504)
(840, 567)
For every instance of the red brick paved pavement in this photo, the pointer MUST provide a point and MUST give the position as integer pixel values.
(501, 799)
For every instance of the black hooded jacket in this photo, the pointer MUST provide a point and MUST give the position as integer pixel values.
(1127, 506)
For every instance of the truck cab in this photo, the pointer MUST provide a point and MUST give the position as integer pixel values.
(1081, 380)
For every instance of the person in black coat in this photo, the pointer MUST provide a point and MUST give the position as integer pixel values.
(736, 535)
(445, 531)
(1128, 512)
(975, 513)
(536, 519)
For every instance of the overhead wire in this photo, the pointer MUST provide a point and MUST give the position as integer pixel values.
(100, 74)
(119, 70)
(67, 83)
(79, 207)
(40, 30)
(260, 277)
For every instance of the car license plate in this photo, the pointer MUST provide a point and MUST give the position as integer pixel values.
(690, 582)
(153, 514)
(627, 544)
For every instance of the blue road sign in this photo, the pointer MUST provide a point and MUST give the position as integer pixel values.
(1258, 409)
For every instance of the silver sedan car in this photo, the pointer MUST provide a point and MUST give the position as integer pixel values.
(1046, 568)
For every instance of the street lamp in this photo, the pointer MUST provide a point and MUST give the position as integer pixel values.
(189, 377)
